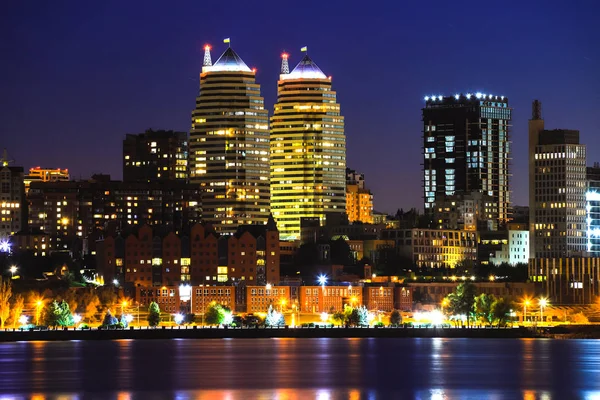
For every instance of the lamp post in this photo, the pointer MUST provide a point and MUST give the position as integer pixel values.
(13, 269)
(543, 303)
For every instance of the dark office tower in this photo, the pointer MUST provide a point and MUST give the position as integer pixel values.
(466, 150)
(229, 145)
(557, 190)
(155, 156)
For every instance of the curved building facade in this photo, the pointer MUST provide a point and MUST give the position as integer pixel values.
(308, 149)
(229, 145)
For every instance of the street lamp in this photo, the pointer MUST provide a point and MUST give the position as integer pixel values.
(13, 270)
(543, 303)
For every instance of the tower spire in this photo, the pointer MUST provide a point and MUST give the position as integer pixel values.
(285, 67)
(536, 110)
(207, 60)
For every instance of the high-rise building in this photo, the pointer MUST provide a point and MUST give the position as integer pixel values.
(308, 149)
(359, 199)
(70, 212)
(466, 149)
(557, 173)
(12, 198)
(592, 209)
(39, 174)
(229, 144)
(155, 156)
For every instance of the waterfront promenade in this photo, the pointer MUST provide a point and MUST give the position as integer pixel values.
(197, 332)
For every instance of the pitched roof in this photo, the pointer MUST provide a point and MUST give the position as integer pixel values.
(306, 69)
(229, 61)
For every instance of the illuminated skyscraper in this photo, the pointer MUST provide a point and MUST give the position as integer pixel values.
(557, 190)
(308, 149)
(229, 144)
(466, 150)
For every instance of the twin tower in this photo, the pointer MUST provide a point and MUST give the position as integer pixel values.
(293, 169)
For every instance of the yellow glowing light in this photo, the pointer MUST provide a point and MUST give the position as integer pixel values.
(543, 302)
(64, 221)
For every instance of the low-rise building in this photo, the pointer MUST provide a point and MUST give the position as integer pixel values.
(379, 298)
(167, 298)
(569, 280)
(403, 299)
(434, 248)
(317, 299)
(259, 298)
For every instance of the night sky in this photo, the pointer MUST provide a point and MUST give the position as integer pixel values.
(75, 78)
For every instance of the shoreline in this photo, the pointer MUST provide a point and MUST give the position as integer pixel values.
(251, 333)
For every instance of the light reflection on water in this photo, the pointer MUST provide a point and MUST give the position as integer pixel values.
(289, 369)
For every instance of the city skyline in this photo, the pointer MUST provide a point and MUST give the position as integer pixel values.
(130, 92)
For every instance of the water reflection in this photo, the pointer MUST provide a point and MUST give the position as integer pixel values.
(288, 369)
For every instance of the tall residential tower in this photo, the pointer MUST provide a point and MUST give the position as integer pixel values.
(229, 144)
(466, 150)
(308, 149)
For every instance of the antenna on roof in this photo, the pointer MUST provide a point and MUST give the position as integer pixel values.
(285, 67)
(207, 60)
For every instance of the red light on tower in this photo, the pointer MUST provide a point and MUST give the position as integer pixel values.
(254, 70)
(207, 47)
(284, 55)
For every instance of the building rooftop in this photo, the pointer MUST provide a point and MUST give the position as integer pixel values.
(229, 61)
(306, 69)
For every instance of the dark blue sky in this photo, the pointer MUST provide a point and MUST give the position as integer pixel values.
(75, 77)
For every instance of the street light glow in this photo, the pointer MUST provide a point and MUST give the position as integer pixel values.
(5, 246)
(543, 302)
(322, 280)
(77, 318)
(178, 319)
(23, 319)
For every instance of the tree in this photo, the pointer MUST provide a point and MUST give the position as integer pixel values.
(341, 253)
(395, 318)
(460, 302)
(217, 314)
(339, 316)
(89, 303)
(274, 318)
(483, 308)
(58, 314)
(5, 294)
(17, 309)
(109, 319)
(501, 310)
(578, 318)
(153, 314)
(363, 316)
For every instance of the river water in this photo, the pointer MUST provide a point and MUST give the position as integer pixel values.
(291, 369)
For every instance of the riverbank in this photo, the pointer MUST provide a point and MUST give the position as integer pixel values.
(251, 333)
